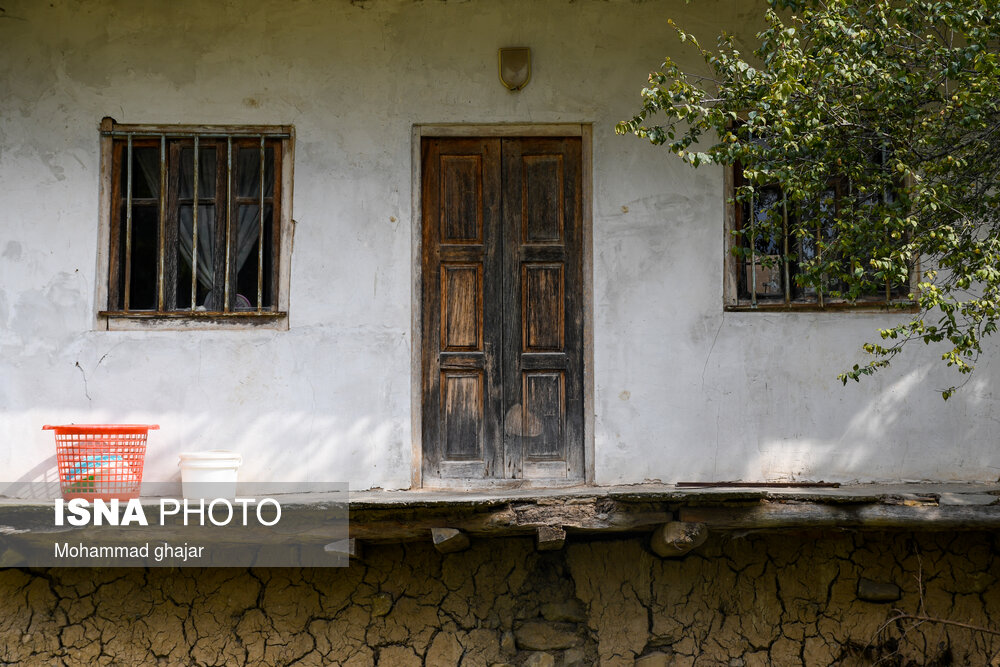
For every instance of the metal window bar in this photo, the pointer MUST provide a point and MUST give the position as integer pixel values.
(753, 252)
(260, 235)
(162, 230)
(229, 217)
(885, 200)
(753, 242)
(822, 283)
(128, 226)
(785, 263)
(194, 231)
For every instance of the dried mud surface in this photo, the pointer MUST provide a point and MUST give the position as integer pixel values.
(736, 601)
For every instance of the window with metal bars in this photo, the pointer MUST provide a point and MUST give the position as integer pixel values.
(196, 219)
(763, 272)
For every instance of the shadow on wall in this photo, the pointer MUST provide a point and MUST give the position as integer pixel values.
(755, 397)
(276, 447)
(901, 431)
(32, 483)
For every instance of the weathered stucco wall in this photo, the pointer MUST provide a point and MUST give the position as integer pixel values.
(759, 600)
(683, 392)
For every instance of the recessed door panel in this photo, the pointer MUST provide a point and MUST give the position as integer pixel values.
(462, 199)
(543, 415)
(542, 205)
(542, 307)
(462, 307)
(463, 415)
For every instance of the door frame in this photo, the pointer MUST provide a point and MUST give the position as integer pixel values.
(419, 131)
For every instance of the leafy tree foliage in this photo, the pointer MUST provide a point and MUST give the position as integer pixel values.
(900, 100)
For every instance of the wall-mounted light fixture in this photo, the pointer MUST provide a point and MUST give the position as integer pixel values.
(515, 67)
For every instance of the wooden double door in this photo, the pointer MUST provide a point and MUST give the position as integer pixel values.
(502, 319)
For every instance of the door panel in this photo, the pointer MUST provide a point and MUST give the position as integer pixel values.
(542, 307)
(463, 408)
(543, 317)
(502, 298)
(544, 415)
(461, 198)
(461, 309)
(541, 207)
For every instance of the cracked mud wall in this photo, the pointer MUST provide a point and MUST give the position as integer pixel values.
(755, 600)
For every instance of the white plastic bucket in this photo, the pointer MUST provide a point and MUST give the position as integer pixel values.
(210, 474)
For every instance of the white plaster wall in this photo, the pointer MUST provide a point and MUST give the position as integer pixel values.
(683, 392)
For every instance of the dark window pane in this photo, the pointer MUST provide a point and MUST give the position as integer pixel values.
(766, 211)
(268, 295)
(120, 303)
(145, 172)
(247, 169)
(142, 286)
(183, 281)
(247, 248)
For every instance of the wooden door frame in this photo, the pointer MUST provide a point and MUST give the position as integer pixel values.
(418, 133)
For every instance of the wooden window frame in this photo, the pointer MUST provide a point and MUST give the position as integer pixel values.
(735, 301)
(110, 313)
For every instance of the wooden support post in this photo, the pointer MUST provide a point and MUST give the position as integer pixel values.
(449, 540)
(550, 538)
(677, 538)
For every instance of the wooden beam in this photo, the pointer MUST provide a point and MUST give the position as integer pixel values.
(771, 516)
(550, 538)
(522, 518)
(449, 540)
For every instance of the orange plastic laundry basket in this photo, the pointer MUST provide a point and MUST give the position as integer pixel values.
(100, 461)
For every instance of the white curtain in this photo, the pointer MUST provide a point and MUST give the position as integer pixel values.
(247, 218)
(206, 213)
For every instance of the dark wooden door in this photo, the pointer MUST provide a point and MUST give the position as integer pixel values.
(502, 319)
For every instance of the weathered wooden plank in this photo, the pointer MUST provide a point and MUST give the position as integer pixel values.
(315, 521)
(550, 538)
(170, 227)
(248, 130)
(804, 515)
(501, 130)
(398, 524)
(116, 262)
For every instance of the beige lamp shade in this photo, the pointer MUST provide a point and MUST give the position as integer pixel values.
(515, 67)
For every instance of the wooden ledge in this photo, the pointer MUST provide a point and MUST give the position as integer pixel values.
(578, 513)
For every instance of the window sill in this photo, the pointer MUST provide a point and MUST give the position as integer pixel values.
(197, 321)
(876, 308)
